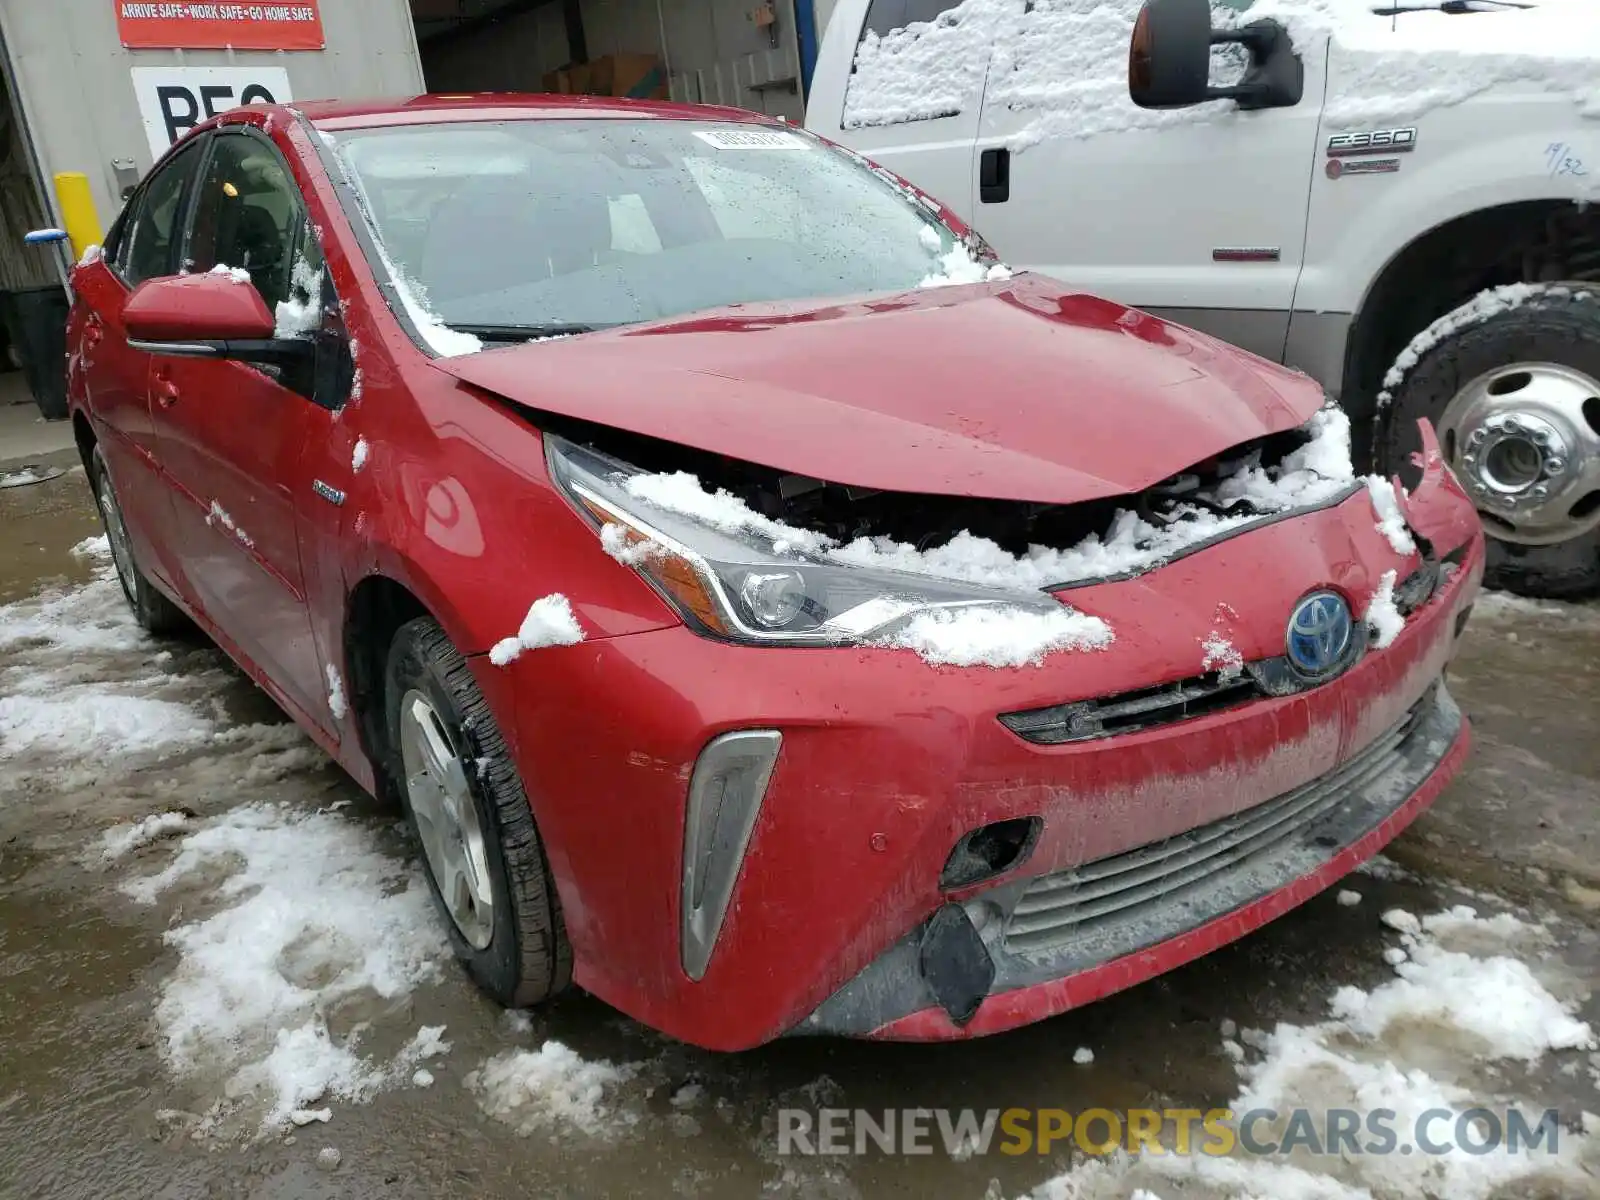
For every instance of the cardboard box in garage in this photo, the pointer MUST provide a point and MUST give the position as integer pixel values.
(636, 76)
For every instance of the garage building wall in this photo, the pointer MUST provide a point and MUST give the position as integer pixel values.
(72, 73)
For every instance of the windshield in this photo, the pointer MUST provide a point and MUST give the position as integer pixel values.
(562, 225)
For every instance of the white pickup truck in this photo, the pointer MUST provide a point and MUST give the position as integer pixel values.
(1394, 198)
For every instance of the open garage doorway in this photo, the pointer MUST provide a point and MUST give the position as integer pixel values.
(745, 53)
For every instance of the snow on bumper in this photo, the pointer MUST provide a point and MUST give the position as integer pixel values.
(886, 762)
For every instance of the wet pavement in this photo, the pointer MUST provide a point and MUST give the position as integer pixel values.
(145, 1035)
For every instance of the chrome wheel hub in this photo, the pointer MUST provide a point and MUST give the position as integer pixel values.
(117, 535)
(447, 819)
(1524, 439)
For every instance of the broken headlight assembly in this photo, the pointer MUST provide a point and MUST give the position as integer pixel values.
(734, 574)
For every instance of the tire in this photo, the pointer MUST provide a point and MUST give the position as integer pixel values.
(1559, 326)
(154, 612)
(518, 953)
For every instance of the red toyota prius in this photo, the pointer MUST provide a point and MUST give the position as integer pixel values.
(775, 616)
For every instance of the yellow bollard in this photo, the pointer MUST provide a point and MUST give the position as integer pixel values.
(77, 211)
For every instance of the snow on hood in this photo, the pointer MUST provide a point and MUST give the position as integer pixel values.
(1018, 390)
(1066, 61)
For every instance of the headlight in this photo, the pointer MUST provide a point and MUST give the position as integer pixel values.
(732, 574)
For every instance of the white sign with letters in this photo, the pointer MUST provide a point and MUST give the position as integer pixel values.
(173, 100)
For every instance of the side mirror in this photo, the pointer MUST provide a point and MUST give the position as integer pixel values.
(1169, 59)
(209, 316)
(195, 308)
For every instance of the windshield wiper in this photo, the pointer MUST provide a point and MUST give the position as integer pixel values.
(1453, 7)
(521, 333)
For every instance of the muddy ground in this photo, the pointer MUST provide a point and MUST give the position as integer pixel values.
(139, 1055)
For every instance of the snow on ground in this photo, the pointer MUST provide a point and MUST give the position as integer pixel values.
(550, 622)
(54, 705)
(308, 914)
(121, 840)
(1463, 1002)
(1506, 608)
(999, 637)
(552, 1089)
(1061, 65)
(1383, 615)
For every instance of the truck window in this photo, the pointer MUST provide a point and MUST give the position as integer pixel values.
(885, 16)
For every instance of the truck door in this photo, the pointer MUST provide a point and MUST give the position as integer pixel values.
(1196, 214)
(900, 83)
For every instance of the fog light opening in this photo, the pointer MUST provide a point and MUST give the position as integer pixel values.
(989, 850)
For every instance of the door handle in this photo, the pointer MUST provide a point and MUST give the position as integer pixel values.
(994, 176)
(166, 393)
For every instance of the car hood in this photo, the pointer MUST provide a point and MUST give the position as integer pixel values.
(1020, 390)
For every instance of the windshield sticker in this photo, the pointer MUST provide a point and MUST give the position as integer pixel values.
(750, 139)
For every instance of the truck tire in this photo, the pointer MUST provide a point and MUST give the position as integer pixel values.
(468, 810)
(1514, 392)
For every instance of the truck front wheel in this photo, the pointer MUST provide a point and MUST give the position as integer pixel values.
(1511, 381)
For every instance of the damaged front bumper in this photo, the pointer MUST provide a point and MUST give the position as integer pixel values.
(1031, 948)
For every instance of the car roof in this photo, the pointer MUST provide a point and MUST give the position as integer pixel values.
(433, 108)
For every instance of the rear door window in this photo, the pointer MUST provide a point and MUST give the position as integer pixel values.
(155, 220)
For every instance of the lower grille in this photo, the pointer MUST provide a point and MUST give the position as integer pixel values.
(1081, 901)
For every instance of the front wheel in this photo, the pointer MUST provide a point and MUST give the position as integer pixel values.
(468, 809)
(1514, 393)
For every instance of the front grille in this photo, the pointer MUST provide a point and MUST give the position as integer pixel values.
(1127, 712)
(1080, 902)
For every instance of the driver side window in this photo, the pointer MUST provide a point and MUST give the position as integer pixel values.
(250, 215)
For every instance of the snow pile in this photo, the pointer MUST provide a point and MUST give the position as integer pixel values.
(1433, 1038)
(1063, 63)
(92, 254)
(121, 840)
(550, 622)
(337, 705)
(301, 313)
(1382, 614)
(1479, 309)
(358, 456)
(1221, 655)
(313, 919)
(1391, 522)
(55, 700)
(998, 637)
(84, 723)
(549, 1089)
(1488, 998)
(237, 274)
(219, 516)
(957, 266)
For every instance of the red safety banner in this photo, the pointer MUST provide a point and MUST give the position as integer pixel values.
(207, 25)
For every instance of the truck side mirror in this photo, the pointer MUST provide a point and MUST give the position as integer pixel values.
(1169, 59)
